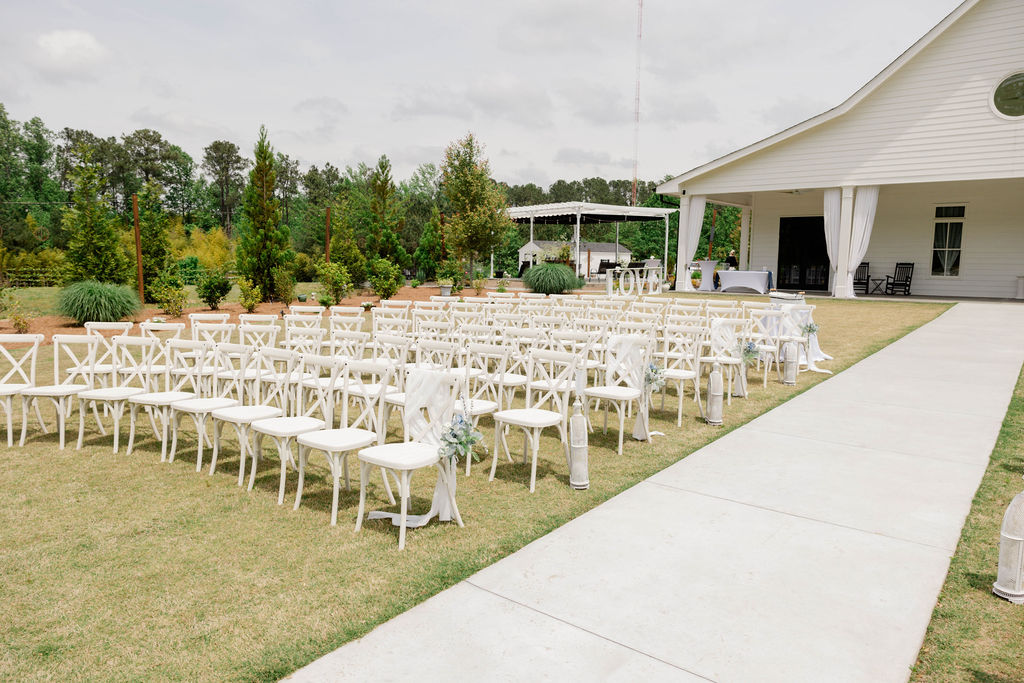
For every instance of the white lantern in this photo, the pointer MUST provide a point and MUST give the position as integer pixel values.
(715, 392)
(579, 475)
(1010, 577)
(790, 364)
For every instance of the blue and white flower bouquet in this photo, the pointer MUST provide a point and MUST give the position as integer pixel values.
(459, 439)
(654, 377)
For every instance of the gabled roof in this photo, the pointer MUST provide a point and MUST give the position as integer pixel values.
(672, 186)
(564, 213)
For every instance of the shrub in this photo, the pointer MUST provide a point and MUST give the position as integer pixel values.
(479, 284)
(213, 288)
(249, 295)
(173, 301)
(385, 277)
(189, 270)
(284, 284)
(326, 299)
(18, 318)
(551, 278)
(503, 284)
(452, 270)
(414, 283)
(304, 268)
(335, 280)
(91, 301)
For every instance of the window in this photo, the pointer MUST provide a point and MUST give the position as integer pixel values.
(949, 228)
(1008, 97)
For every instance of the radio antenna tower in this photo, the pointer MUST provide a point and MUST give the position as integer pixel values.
(636, 102)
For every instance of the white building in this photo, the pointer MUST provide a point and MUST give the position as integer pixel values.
(591, 253)
(924, 164)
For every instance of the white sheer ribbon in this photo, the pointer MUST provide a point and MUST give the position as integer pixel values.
(863, 221)
(833, 207)
(694, 223)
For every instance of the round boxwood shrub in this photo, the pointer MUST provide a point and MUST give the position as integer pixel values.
(91, 301)
(214, 286)
(551, 278)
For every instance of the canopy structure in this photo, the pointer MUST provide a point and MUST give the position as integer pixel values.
(578, 213)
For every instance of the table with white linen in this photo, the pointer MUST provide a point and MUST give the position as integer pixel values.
(707, 276)
(744, 280)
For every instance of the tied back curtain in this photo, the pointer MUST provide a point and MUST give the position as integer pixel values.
(833, 207)
(863, 221)
(694, 223)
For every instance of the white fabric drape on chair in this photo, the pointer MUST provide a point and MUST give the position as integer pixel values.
(863, 221)
(694, 222)
(833, 207)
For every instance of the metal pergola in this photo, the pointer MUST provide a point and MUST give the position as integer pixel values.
(580, 213)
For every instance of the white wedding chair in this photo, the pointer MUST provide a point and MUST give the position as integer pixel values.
(723, 341)
(350, 345)
(364, 430)
(766, 330)
(105, 368)
(258, 335)
(133, 366)
(484, 383)
(79, 352)
(681, 345)
(429, 407)
(18, 354)
(182, 374)
(258, 399)
(628, 356)
(552, 377)
(348, 323)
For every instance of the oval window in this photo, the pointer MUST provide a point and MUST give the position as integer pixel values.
(1009, 96)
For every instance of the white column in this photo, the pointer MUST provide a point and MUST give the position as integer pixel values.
(577, 245)
(683, 283)
(531, 228)
(664, 264)
(744, 238)
(839, 288)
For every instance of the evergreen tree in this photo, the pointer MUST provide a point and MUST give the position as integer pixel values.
(154, 231)
(94, 248)
(479, 220)
(427, 256)
(262, 239)
(388, 216)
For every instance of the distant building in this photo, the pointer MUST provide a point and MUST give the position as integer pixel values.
(591, 253)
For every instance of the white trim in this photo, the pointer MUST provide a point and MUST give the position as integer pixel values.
(992, 96)
(672, 186)
(587, 209)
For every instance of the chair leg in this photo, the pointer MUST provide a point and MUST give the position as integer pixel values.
(283, 452)
(24, 419)
(217, 427)
(303, 452)
(494, 458)
(243, 441)
(364, 470)
(133, 409)
(534, 440)
(387, 486)
(117, 411)
(61, 418)
(9, 409)
(622, 423)
(257, 453)
(200, 420)
(82, 405)
(404, 514)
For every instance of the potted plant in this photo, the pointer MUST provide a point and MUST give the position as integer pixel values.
(446, 284)
(695, 279)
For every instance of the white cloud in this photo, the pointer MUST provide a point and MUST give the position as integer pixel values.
(68, 55)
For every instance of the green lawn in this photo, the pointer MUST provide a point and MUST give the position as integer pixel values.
(975, 636)
(118, 567)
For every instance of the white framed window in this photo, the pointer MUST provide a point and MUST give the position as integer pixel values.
(947, 240)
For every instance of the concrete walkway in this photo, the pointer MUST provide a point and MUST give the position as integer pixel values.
(808, 545)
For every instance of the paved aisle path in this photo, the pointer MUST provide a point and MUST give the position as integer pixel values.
(808, 545)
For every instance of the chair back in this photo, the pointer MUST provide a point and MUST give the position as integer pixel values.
(362, 373)
(300, 309)
(18, 354)
(321, 394)
(162, 331)
(486, 365)
(350, 345)
(133, 361)
(213, 333)
(276, 373)
(903, 273)
(552, 377)
(349, 323)
(431, 353)
(430, 397)
(346, 310)
(305, 339)
(681, 346)
(186, 359)
(258, 335)
(78, 351)
(396, 303)
(229, 364)
(257, 318)
(723, 338)
(628, 358)
(105, 349)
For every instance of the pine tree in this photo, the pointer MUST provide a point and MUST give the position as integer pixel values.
(154, 233)
(427, 256)
(94, 248)
(263, 240)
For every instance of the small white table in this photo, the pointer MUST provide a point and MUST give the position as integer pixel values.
(743, 280)
(707, 276)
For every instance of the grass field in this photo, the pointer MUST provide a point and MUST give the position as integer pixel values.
(975, 636)
(118, 567)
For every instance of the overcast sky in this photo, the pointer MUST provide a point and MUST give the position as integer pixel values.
(546, 85)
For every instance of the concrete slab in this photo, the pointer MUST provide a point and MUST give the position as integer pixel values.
(807, 545)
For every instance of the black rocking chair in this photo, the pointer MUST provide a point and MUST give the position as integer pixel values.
(899, 281)
(860, 278)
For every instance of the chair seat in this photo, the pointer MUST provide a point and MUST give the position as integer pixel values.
(401, 456)
(528, 417)
(475, 406)
(614, 392)
(679, 374)
(336, 440)
(160, 398)
(10, 389)
(203, 405)
(395, 398)
(545, 385)
(245, 414)
(510, 379)
(370, 390)
(110, 394)
(722, 360)
(55, 390)
(288, 426)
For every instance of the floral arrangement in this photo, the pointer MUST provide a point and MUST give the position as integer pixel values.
(367, 305)
(459, 439)
(748, 352)
(809, 329)
(654, 377)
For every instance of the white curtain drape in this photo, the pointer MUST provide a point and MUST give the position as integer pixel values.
(864, 208)
(694, 222)
(833, 207)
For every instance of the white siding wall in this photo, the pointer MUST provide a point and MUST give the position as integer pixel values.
(930, 121)
(993, 240)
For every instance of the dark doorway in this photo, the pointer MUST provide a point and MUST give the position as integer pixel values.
(803, 257)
